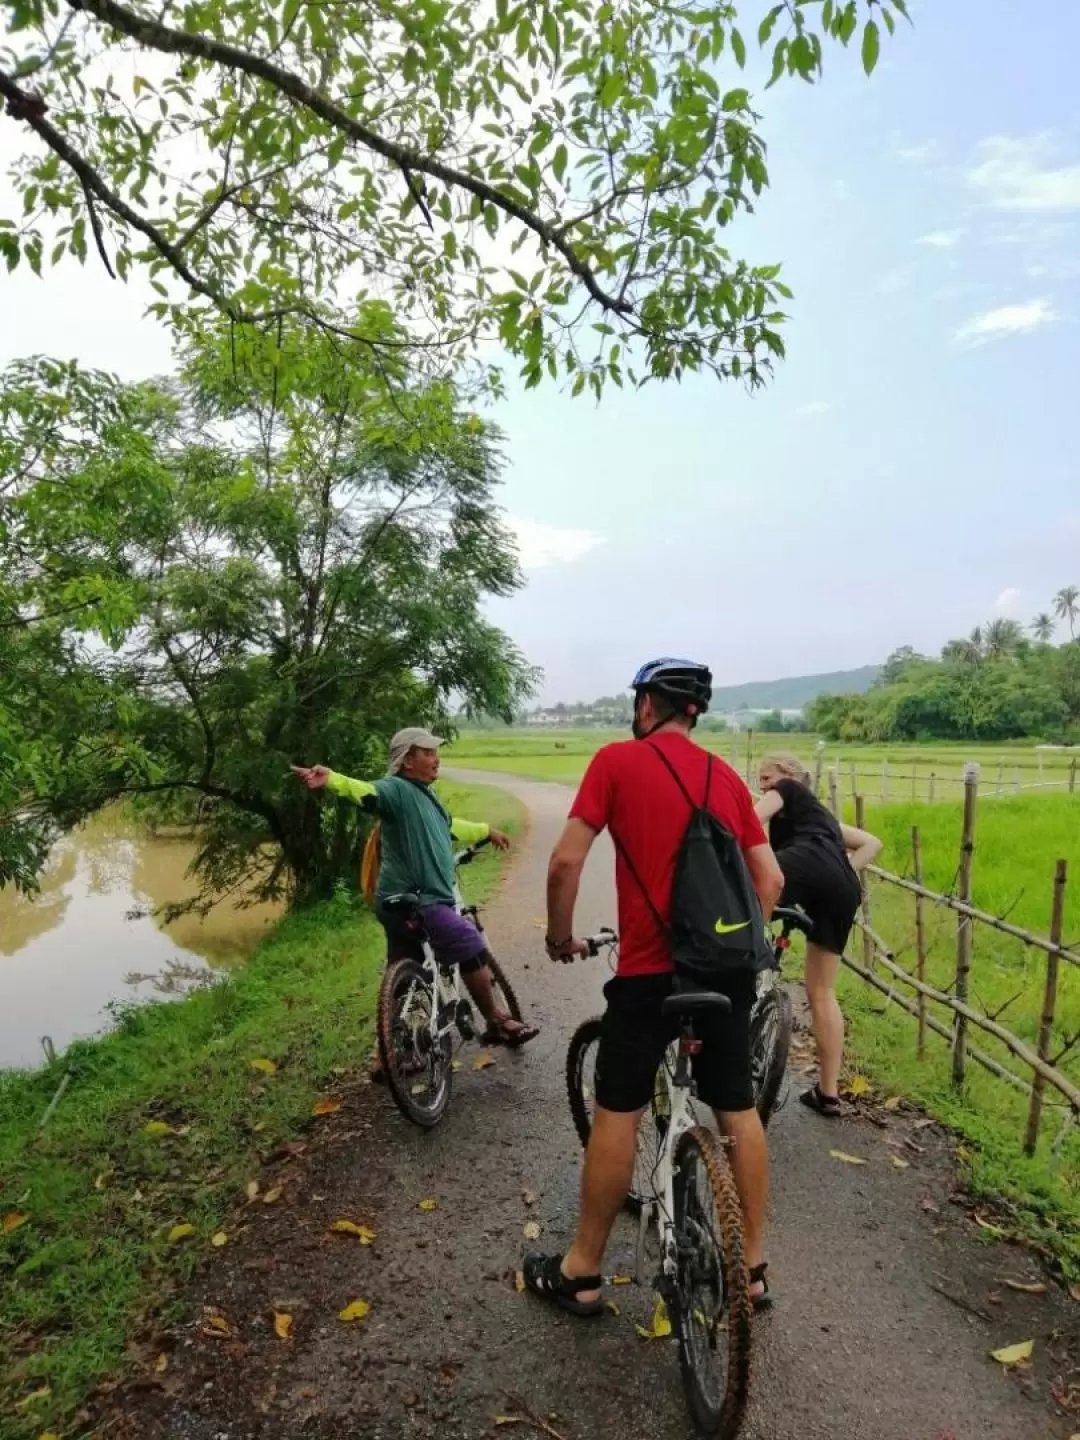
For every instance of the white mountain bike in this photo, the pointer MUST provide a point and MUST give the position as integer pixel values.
(683, 1188)
(425, 1013)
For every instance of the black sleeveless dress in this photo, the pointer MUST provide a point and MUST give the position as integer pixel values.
(809, 845)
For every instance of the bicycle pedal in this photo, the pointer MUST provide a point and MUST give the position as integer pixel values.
(464, 1021)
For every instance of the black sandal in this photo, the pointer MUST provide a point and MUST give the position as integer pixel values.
(544, 1277)
(822, 1104)
(498, 1034)
(757, 1277)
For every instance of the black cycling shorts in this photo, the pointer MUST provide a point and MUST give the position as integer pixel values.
(635, 1036)
(824, 884)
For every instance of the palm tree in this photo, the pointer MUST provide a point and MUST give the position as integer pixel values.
(1067, 606)
(1042, 627)
(1001, 638)
(965, 652)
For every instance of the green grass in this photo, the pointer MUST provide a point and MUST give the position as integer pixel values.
(92, 1262)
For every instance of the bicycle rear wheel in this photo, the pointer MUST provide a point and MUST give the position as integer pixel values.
(771, 1023)
(418, 1071)
(710, 1303)
(505, 999)
(581, 1091)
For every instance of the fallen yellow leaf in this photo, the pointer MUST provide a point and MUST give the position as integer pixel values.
(355, 1310)
(100, 1181)
(1074, 1292)
(483, 1061)
(846, 1158)
(612, 1307)
(12, 1220)
(267, 1067)
(35, 1395)
(893, 1102)
(161, 1364)
(218, 1325)
(1014, 1354)
(987, 1226)
(661, 1323)
(350, 1227)
(157, 1127)
(900, 1163)
(325, 1106)
(180, 1232)
(251, 1190)
(531, 1230)
(219, 1239)
(508, 1420)
(456, 1065)
(282, 1325)
(259, 1126)
(1027, 1287)
(858, 1085)
(519, 1281)
(272, 1196)
(49, 1435)
(620, 1279)
(428, 1205)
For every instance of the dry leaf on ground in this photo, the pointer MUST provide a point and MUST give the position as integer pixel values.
(180, 1232)
(661, 1323)
(1074, 1292)
(217, 1325)
(272, 1196)
(350, 1227)
(900, 1163)
(265, 1067)
(1014, 1354)
(100, 1181)
(528, 1197)
(282, 1325)
(612, 1306)
(42, 1393)
(157, 1127)
(428, 1205)
(325, 1106)
(355, 1310)
(161, 1364)
(531, 1230)
(456, 1065)
(848, 1159)
(620, 1279)
(858, 1085)
(1027, 1287)
(988, 1227)
(218, 1239)
(251, 1190)
(519, 1281)
(894, 1102)
(484, 1060)
(12, 1220)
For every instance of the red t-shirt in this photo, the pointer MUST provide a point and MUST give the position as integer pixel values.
(630, 791)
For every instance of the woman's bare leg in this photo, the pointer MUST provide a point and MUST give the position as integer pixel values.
(821, 971)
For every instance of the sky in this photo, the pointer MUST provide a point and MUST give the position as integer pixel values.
(912, 469)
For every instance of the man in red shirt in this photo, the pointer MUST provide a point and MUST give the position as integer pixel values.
(629, 789)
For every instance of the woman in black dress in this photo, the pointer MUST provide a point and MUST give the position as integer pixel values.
(820, 859)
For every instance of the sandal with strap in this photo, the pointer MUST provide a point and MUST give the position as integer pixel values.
(544, 1277)
(757, 1277)
(499, 1033)
(822, 1104)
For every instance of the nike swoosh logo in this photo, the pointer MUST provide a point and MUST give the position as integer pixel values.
(722, 929)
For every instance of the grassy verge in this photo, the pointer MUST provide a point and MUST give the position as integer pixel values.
(164, 1122)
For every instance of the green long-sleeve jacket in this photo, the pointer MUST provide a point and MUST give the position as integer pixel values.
(417, 829)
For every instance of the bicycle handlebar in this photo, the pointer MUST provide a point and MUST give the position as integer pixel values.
(469, 854)
(793, 917)
(602, 939)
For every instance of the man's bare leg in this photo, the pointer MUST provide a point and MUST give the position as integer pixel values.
(605, 1183)
(479, 985)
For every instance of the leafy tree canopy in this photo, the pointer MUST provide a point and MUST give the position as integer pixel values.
(556, 176)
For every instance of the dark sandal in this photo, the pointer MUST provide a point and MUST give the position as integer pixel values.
(757, 1277)
(820, 1103)
(544, 1277)
(498, 1034)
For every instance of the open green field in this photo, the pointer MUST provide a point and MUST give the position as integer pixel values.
(165, 1122)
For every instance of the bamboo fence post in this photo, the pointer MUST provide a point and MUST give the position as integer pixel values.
(1017, 784)
(965, 923)
(914, 781)
(834, 792)
(1072, 776)
(819, 760)
(864, 886)
(1000, 777)
(1046, 1022)
(930, 788)
(920, 942)
(884, 780)
(735, 749)
(749, 753)
(854, 781)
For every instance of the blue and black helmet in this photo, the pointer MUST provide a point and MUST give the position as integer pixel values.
(686, 684)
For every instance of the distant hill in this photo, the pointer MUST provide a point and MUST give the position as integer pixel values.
(794, 692)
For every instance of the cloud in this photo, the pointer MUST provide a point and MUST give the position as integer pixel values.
(1007, 603)
(1006, 320)
(941, 239)
(814, 407)
(540, 545)
(916, 154)
(1013, 173)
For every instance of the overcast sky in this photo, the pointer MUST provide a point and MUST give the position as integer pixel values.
(912, 470)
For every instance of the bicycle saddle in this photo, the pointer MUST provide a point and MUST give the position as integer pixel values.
(695, 1002)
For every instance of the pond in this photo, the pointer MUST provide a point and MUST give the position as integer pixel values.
(90, 939)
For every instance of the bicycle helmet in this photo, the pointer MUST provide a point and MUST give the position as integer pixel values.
(687, 685)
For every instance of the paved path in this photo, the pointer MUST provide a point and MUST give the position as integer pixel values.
(860, 1346)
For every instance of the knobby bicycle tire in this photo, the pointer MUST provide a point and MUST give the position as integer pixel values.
(500, 982)
(717, 1410)
(650, 1130)
(402, 1082)
(771, 1024)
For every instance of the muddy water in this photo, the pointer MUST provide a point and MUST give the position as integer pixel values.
(87, 940)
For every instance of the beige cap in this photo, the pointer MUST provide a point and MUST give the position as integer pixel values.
(413, 737)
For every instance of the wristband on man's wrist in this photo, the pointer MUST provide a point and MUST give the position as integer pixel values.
(557, 944)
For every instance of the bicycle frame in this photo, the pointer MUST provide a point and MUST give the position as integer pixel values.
(675, 1080)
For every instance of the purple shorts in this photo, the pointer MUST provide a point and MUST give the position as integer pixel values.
(454, 938)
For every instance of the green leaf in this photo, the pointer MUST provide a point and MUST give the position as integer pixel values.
(871, 46)
(559, 162)
(612, 88)
(765, 29)
(738, 46)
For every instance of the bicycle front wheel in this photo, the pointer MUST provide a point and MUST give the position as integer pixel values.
(770, 1041)
(417, 1068)
(710, 1303)
(581, 1091)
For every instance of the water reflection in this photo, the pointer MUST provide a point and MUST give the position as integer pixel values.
(65, 954)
